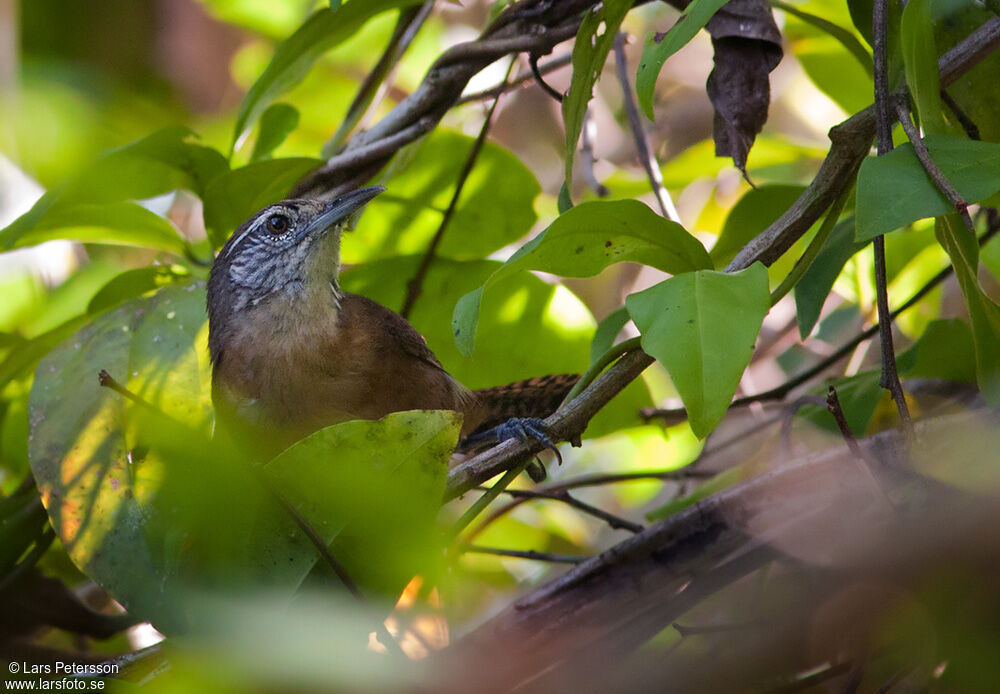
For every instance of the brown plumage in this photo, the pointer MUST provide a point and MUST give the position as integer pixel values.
(292, 353)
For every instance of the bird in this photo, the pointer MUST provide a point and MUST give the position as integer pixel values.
(292, 352)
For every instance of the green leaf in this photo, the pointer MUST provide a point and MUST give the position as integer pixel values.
(276, 124)
(375, 489)
(92, 206)
(984, 314)
(702, 327)
(590, 52)
(118, 223)
(532, 329)
(235, 196)
(946, 350)
(814, 287)
(607, 331)
(846, 39)
(583, 241)
(894, 190)
(295, 56)
(754, 212)
(920, 64)
(421, 182)
(659, 47)
(133, 283)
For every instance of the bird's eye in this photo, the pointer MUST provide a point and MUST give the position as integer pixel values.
(277, 224)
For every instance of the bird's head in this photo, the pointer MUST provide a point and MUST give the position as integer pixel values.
(284, 247)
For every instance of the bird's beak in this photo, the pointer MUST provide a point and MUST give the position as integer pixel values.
(342, 208)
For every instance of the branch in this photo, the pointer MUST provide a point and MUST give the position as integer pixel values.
(818, 507)
(566, 424)
(850, 143)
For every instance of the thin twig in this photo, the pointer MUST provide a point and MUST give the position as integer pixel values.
(414, 287)
(968, 125)
(526, 554)
(890, 374)
(519, 80)
(936, 175)
(540, 80)
(410, 21)
(833, 407)
(615, 522)
(639, 135)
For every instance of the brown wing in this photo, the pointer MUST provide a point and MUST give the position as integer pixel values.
(400, 366)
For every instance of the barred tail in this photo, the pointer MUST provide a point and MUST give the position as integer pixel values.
(536, 397)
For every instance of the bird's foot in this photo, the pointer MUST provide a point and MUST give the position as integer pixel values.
(519, 428)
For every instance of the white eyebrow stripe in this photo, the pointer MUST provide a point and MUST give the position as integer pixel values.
(239, 239)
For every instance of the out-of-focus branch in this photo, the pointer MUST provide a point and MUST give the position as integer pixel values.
(821, 509)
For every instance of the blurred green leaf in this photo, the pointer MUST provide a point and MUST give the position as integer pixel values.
(702, 327)
(894, 190)
(659, 47)
(276, 123)
(295, 56)
(945, 350)
(754, 212)
(920, 64)
(133, 283)
(954, 20)
(115, 223)
(814, 287)
(421, 182)
(583, 241)
(373, 489)
(846, 39)
(984, 314)
(93, 206)
(237, 195)
(532, 329)
(590, 51)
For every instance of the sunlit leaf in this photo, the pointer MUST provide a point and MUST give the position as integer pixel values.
(420, 185)
(585, 240)
(94, 205)
(702, 327)
(133, 283)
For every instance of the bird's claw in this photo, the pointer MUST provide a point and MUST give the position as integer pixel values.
(520, 428)
(525, 428)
